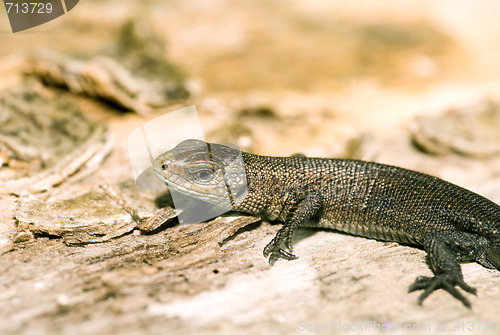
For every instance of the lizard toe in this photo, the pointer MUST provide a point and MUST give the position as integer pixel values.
(419, 284)
(456, 294)
(270, 248)
(466, 287)
(444, 282)
(278, 253)
(278, 248)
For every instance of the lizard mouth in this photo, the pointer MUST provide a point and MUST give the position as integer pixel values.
(211, 194)
(158, 174)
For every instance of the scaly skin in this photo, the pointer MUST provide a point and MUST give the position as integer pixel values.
(372, 200)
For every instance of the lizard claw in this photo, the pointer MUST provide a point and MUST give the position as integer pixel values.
(274, 251)
(445, 282)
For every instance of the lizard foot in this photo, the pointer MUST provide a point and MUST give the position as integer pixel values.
(277, 249)
(446, 282)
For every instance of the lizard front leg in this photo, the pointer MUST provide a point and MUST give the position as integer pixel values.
(281, 245)
(444, 251)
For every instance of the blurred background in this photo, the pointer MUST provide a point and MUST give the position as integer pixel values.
(375, 63)
(410, 83)
(331, 69)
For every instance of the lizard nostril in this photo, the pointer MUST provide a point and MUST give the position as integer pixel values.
(164, 166)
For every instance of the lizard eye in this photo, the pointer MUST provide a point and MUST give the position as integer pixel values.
(204, 175)
(164, 166)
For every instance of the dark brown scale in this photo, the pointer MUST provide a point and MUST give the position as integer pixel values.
(381, 202)
(367, 199)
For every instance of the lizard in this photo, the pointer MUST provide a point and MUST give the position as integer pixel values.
(452, 224)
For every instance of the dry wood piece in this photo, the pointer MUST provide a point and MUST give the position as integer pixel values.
(471, 130)
(132, 73)
(45, 138)
(140, 204)
(100, 77)
(89, 217)
(101, 213)
(201, 243)
(82, 215)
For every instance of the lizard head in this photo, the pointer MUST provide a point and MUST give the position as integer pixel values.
(210, 172)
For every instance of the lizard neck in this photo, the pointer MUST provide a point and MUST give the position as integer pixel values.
(268, 184)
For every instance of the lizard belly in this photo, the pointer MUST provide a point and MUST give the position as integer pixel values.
(379, 228)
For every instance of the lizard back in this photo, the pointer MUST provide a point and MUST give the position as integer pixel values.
(366, 198)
